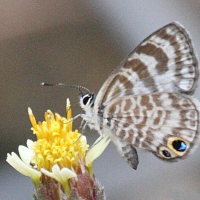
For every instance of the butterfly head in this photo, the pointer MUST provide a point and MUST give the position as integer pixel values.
(87, 101)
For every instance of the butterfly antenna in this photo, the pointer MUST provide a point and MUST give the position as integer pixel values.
(78, 87)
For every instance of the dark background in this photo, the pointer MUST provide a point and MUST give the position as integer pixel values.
(81, 43)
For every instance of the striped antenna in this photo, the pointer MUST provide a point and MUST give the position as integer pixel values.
(78, 87)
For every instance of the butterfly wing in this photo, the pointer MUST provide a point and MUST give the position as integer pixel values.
(127, 151)
(166, 124)
(163, 62)
(144, 102)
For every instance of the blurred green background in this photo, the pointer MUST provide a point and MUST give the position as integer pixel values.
(81, 42)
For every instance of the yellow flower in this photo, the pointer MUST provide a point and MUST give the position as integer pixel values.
(56, 142)
(59, 152)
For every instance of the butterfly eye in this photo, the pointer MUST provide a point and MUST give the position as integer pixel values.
(85, 100)
(88, 99)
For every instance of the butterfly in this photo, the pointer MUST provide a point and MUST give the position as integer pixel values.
(146, 102)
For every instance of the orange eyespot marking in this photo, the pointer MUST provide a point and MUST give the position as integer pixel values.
(178, 145)
(166, 153)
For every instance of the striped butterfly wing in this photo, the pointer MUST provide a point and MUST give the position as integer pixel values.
(163, 62)
(144, 102)
(166, 124)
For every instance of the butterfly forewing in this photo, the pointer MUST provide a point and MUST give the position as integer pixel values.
(165, 61)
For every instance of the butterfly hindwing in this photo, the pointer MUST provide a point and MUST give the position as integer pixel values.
(127, 151)
(166, 124)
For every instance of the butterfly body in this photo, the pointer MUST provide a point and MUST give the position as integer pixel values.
(145, 103)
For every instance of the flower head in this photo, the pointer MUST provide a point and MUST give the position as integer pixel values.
(59, 153)
(56, 142)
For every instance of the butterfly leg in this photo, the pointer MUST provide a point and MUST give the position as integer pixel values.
(79, 115)
(83, 122)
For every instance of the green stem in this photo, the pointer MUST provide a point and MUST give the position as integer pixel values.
(66, 187)
(90, 169)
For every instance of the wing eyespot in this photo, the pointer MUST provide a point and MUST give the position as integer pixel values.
(166, 154)
(178, 145)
